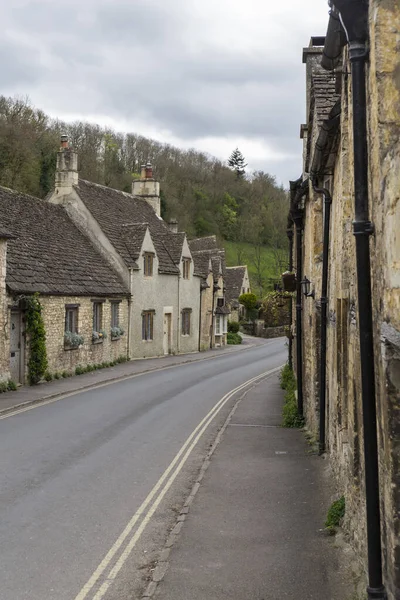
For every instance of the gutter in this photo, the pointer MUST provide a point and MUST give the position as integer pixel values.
(353, 15)
(335, 40)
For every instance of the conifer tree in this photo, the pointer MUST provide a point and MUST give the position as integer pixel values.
(237, 164)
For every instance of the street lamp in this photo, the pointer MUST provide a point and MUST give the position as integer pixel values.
(306, 283)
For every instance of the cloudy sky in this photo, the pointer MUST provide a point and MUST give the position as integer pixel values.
(208, 74)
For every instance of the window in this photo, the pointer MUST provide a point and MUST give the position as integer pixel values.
(186, 321)
(71, 319)
(217, 324)
(114, 314)
(148, 264)
(220, 302)
(147, 325)
(97, 316)
(186, 268)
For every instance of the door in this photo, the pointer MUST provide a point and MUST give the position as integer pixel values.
(167, 333)
(15, 347)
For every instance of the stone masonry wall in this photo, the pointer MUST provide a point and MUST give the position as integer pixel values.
(4, 323)
(344, 410)
(61, 359)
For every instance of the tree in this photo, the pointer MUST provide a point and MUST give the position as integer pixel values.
(237, 164)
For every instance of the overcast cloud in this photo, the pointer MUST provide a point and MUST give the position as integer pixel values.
(208, 74)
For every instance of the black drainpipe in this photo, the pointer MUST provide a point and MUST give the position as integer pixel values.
(324, 316)
(298, 220)
(354, 17)
(289, 232)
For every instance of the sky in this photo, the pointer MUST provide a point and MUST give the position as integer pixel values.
(206, 74)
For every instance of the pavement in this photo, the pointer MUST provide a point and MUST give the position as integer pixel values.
(26, 394)
(254, 529)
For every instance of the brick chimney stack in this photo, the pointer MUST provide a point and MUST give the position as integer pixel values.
(67, 166)
(148, 188)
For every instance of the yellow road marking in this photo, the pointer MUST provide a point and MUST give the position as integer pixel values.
(185, 450)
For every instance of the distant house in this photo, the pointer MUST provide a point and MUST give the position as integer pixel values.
(154, 262)
(236, 283)
(83, 299)
(209, 262)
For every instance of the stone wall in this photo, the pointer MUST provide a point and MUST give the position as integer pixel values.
(344, 410)
(61, 359)
(4, 322)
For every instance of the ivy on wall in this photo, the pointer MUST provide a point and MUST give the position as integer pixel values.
(276, 308)
(37, 363)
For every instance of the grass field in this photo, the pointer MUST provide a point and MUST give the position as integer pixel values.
(240, 253)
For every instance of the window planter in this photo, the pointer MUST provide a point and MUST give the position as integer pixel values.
(72, 341)
(116, 333)
(98, 337)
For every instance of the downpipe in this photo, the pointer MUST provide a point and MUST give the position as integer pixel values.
(290, 357)
(324, 318)
(362, 229)
(298, 219)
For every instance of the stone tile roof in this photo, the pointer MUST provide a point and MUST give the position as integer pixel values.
(4, 234)
(204, 243)
(233, 282)
(222, 310)
(201, 262)
(49, 254)
(323, 94)
(113, 208)
(132, 235)
(174, 244)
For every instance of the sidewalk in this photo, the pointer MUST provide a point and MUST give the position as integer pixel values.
(26, 395)
(253, 530)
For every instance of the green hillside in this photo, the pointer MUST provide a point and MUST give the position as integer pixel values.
(265, 264)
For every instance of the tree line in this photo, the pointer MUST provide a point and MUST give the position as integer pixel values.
(206, 195)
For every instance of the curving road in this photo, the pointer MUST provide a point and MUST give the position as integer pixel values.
(89, 488)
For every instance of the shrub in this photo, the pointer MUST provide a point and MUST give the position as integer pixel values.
(335, 514)
(234, 338)
(233, 327)
(57, 375)
(48, 376)
(65, 374)
(287, 378)
(249, 301)
(37, 364)
(104, 365)
(291, 417)
(3, 386)
(89, 368)
(79, 370)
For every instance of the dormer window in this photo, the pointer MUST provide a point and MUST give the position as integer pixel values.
(148, 259)
(220, 302)
(186, 268)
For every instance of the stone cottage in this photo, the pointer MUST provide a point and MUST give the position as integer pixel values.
(210, 264)
(328, 230)
(153, 261)
(237, 282)
(84, 301)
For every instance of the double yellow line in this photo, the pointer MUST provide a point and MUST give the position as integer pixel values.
(153, 500)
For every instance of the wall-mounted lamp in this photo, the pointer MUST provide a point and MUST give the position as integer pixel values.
(306, 283)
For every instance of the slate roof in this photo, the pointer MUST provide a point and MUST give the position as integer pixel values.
(204, 243)
(323, 94)
(201, 262)
(49, 254)
(233, 282)
(113, 209)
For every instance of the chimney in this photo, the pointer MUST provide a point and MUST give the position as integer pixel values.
(173, 225)
(312, 59)
(67, 165)
(148, 188)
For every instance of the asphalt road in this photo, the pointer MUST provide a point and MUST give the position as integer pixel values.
(90, 486)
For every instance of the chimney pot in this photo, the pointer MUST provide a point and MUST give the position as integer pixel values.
(148, 171)
(64, 141)
(143, 172)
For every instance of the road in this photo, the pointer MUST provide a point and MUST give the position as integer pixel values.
(90, 485)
